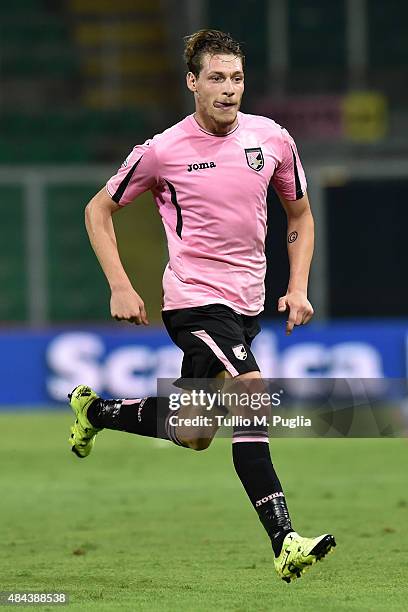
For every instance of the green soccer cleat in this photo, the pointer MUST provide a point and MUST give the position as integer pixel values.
(299, 553)
(83, 434)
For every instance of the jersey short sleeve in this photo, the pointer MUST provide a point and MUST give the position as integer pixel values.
(289, 178)
(137, 174)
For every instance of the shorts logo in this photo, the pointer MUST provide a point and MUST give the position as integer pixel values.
(255, 158)
(240, 352)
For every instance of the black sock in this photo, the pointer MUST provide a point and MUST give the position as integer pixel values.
(148, 416)
(254, 467)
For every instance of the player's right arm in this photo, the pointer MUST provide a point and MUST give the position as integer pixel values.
(138, 173)
(125, 303)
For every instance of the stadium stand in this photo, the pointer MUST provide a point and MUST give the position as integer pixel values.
(63, 102)
(123, 51)
(13, 278)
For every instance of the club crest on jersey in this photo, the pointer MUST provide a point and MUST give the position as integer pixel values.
(255, 158)
(240, 352)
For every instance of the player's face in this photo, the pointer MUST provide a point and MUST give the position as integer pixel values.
(218, 91)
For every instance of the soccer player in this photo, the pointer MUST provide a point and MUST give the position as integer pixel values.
(209, 176)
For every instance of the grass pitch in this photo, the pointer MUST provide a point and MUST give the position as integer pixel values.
(144, 525)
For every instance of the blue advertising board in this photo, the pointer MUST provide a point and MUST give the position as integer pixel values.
(40, 367)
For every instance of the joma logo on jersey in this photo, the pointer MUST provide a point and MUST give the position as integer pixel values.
(201, 166)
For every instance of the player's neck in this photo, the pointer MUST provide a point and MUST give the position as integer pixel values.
(209, 125)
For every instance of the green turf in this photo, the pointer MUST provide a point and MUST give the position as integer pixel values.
(141, 525)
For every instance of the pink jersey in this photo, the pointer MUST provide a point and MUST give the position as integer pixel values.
(211, 195)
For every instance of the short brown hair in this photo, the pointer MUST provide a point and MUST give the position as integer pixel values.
(209, 41)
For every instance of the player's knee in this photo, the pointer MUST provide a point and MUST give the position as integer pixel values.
(198, 444)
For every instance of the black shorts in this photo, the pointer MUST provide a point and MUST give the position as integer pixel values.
(213, 338)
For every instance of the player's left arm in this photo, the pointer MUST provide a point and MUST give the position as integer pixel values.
(300, 243)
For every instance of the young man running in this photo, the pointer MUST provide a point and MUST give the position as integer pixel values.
(209, 176)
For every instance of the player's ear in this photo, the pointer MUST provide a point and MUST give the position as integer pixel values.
(191, 81)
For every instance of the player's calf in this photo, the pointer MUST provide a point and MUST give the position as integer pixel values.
(195, 426)
(197, 444)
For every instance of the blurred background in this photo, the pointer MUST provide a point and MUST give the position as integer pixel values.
(83, 81)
